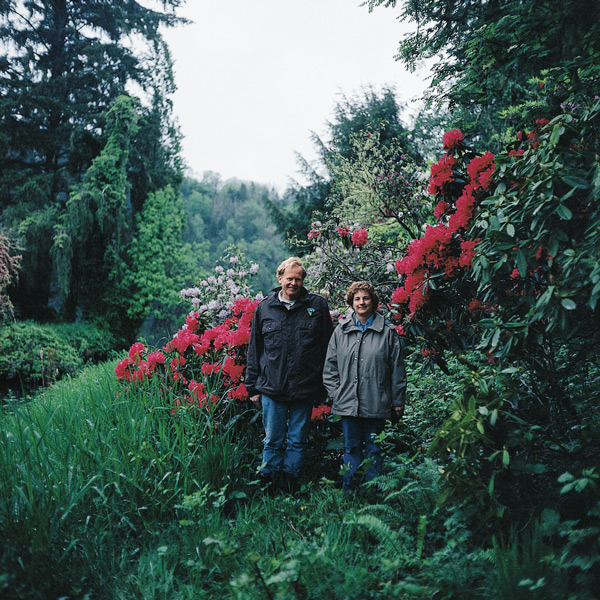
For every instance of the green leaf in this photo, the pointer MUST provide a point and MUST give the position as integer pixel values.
(564, 212)
(575, 182)
(521, 263)
(510, 229)
(556, 133)
(568, 304)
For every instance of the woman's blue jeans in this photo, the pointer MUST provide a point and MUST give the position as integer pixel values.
(359, 445)
(281, 420)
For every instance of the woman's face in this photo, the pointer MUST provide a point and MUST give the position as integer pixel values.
(362, 304)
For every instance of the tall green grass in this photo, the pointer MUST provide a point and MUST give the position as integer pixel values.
(85, 474)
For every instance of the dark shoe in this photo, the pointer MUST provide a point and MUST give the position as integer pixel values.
(288, 483)
(268, 483)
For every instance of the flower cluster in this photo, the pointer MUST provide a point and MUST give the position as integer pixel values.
(360, 237)
(453, 140)
(214, 297)
(444, 253)
(320, 413)
(198, 367)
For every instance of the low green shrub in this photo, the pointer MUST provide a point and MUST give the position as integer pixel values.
(33, 354)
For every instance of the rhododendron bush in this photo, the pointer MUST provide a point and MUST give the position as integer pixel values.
(514, 255)
(197, 369)
(512, 268)
(342, 254)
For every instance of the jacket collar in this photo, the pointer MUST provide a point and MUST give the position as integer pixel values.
(274, 296)
(347, 323)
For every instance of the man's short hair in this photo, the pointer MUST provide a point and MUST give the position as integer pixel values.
(293, 261)
(362, 286)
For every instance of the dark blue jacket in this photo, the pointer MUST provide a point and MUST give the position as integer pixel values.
(287, 348)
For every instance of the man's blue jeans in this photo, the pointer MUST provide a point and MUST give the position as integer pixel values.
(359, 445)
(281, 419)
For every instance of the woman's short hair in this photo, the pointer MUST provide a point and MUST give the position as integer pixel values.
(362, 286)
(293, 261)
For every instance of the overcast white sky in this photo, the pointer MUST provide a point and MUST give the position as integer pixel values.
(255, 77)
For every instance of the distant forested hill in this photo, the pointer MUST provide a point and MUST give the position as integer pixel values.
(232, 212)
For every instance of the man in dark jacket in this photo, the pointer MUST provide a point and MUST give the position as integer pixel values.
(288, 343)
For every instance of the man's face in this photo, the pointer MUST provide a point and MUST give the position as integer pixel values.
(291, 282)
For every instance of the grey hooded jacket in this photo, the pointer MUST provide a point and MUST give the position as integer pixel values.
(364, 372)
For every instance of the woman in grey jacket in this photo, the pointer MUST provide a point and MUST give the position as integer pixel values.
(365, 376)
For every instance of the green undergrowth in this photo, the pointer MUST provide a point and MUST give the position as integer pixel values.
(118, 498)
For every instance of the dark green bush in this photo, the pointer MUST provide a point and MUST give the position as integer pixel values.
(32, 354)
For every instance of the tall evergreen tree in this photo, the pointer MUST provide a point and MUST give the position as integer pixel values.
(63, 65)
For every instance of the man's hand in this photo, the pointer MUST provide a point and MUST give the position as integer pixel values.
(256, 400)
(399, 410)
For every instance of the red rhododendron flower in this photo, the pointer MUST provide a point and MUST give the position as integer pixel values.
(418, 299)
(400, 295)
(197, 388)
(453, 139)
(135, 351)
(141, 373)
(181, 341)
(360, 237)
(177, 361)
(192, 322)
(343, 231)
(210, 368)
(320, 412)
(480, 169)
(441, 173)
(440, 209)
(475, 306)
(238, 393)
(467, 248)
(155, 358)
(122, 369)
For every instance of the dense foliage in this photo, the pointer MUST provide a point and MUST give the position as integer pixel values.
(9, 271)
(491, 57)
(32, 354)
(66, 131)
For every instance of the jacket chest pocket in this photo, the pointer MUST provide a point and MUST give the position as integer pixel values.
(309, 333)
(272, 333)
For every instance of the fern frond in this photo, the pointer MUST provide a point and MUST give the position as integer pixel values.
(384, 534)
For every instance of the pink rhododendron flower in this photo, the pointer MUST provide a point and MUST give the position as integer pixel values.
(360, 237)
